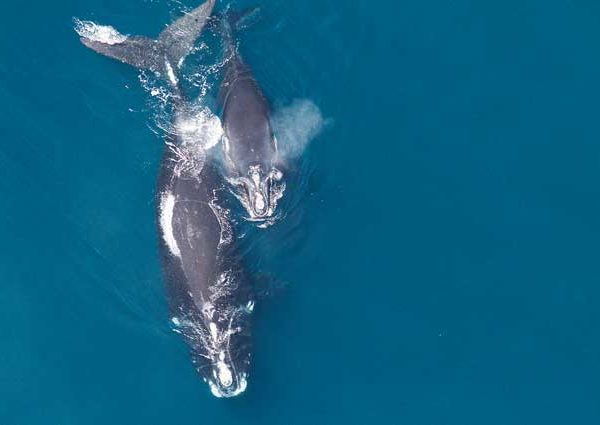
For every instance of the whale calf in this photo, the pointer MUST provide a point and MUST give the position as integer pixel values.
(254, 163)
(209, 292)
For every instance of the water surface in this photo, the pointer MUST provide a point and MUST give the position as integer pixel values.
(441, 267)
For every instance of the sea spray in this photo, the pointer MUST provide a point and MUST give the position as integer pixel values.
(101, 33)
(296, 125)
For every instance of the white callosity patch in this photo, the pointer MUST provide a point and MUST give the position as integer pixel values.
(213, 333)
(259, 201)
(224, 374)
(100, 33)
(251, 194)
(167, 205)
(295, 126)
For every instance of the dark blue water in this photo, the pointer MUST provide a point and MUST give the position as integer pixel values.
(443, 268)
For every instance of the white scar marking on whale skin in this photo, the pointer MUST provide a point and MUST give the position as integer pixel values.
(171, 73)
(167, 205)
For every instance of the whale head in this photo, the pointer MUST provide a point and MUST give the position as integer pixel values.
(228, 353)
(228, 375)
(221, 347)
(259, 189)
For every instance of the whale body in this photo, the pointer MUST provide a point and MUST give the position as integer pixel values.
(255, 167)
(209, 291)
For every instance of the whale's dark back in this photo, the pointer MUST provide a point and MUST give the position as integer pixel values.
(210, 295)
(196, 230)
(246, 117)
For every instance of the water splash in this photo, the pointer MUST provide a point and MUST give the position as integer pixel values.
(101, 33)
(296, 126)
(198, 125)
(193, 122)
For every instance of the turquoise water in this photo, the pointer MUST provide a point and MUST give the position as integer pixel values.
(441, 266)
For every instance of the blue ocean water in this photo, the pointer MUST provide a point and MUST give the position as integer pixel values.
(441, 266)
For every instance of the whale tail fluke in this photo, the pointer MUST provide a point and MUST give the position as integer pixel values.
(178, 39)
(161, 55)
(140, 52)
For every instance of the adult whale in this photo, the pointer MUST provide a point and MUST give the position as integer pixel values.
(255, 166)
(209, 292)
(210, 297)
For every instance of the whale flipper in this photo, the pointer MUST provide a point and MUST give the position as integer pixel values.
(161, 55)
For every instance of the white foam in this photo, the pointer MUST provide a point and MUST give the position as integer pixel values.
(167, 205)
(100, 33)
(296, 125)
(199, 126)
(226, 234)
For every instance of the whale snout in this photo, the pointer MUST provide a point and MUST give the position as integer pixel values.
(259, 203)
(224, 375)
(225, 386)
(222, 348)
(225, 382)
